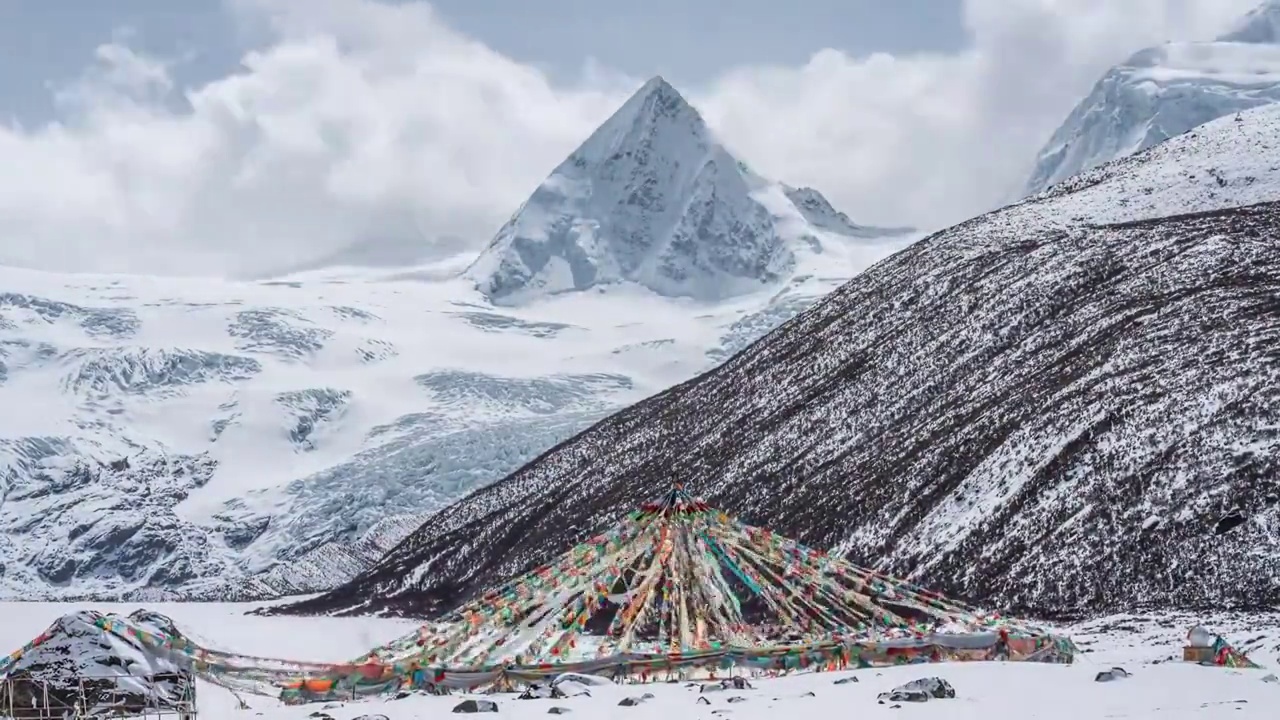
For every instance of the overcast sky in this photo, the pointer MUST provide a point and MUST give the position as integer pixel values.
(229, 136)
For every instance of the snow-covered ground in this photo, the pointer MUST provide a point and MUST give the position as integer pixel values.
(1146, 646)
(999, 691)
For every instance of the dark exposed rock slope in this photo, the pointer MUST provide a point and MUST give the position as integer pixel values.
(1070, 403)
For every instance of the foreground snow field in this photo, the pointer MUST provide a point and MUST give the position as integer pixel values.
(1146, 646)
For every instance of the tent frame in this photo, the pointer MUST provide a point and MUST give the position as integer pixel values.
(47, 707)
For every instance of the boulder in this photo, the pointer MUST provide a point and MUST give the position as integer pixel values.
(538, 691)
(921, 690)
(581, 678)
(1115, 673)
(571, 688)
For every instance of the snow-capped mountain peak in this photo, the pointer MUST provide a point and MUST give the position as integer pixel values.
(1261, 25)
(656, 114)
(650, 198)
(1164, 91)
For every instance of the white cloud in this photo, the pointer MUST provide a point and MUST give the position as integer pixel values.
(364, 122)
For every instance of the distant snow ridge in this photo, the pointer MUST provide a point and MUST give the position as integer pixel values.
(1165, 91)
(1070, 404)
(364, 502)
(818, 211)
(1261, 25)
(654, 199)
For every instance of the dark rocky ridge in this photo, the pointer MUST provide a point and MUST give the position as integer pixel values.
(1047, 419)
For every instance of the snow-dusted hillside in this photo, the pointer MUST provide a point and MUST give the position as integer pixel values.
(651, 198)
(1165, 91)
(1071, 402)
(217, 439)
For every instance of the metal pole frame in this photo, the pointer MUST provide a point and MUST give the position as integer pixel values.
(185, 707)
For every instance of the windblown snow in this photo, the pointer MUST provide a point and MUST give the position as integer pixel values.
(203, 438)
(1162, 92)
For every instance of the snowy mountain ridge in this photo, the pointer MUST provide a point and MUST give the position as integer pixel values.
(819, 213)
(652, 198)
(1162, 92)
(215, 440)
(1064, 405)
(1260, 25)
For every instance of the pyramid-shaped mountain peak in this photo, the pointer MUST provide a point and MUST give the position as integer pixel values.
(655, 109)
(650, 198)
(657, 84)
(659, 89)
